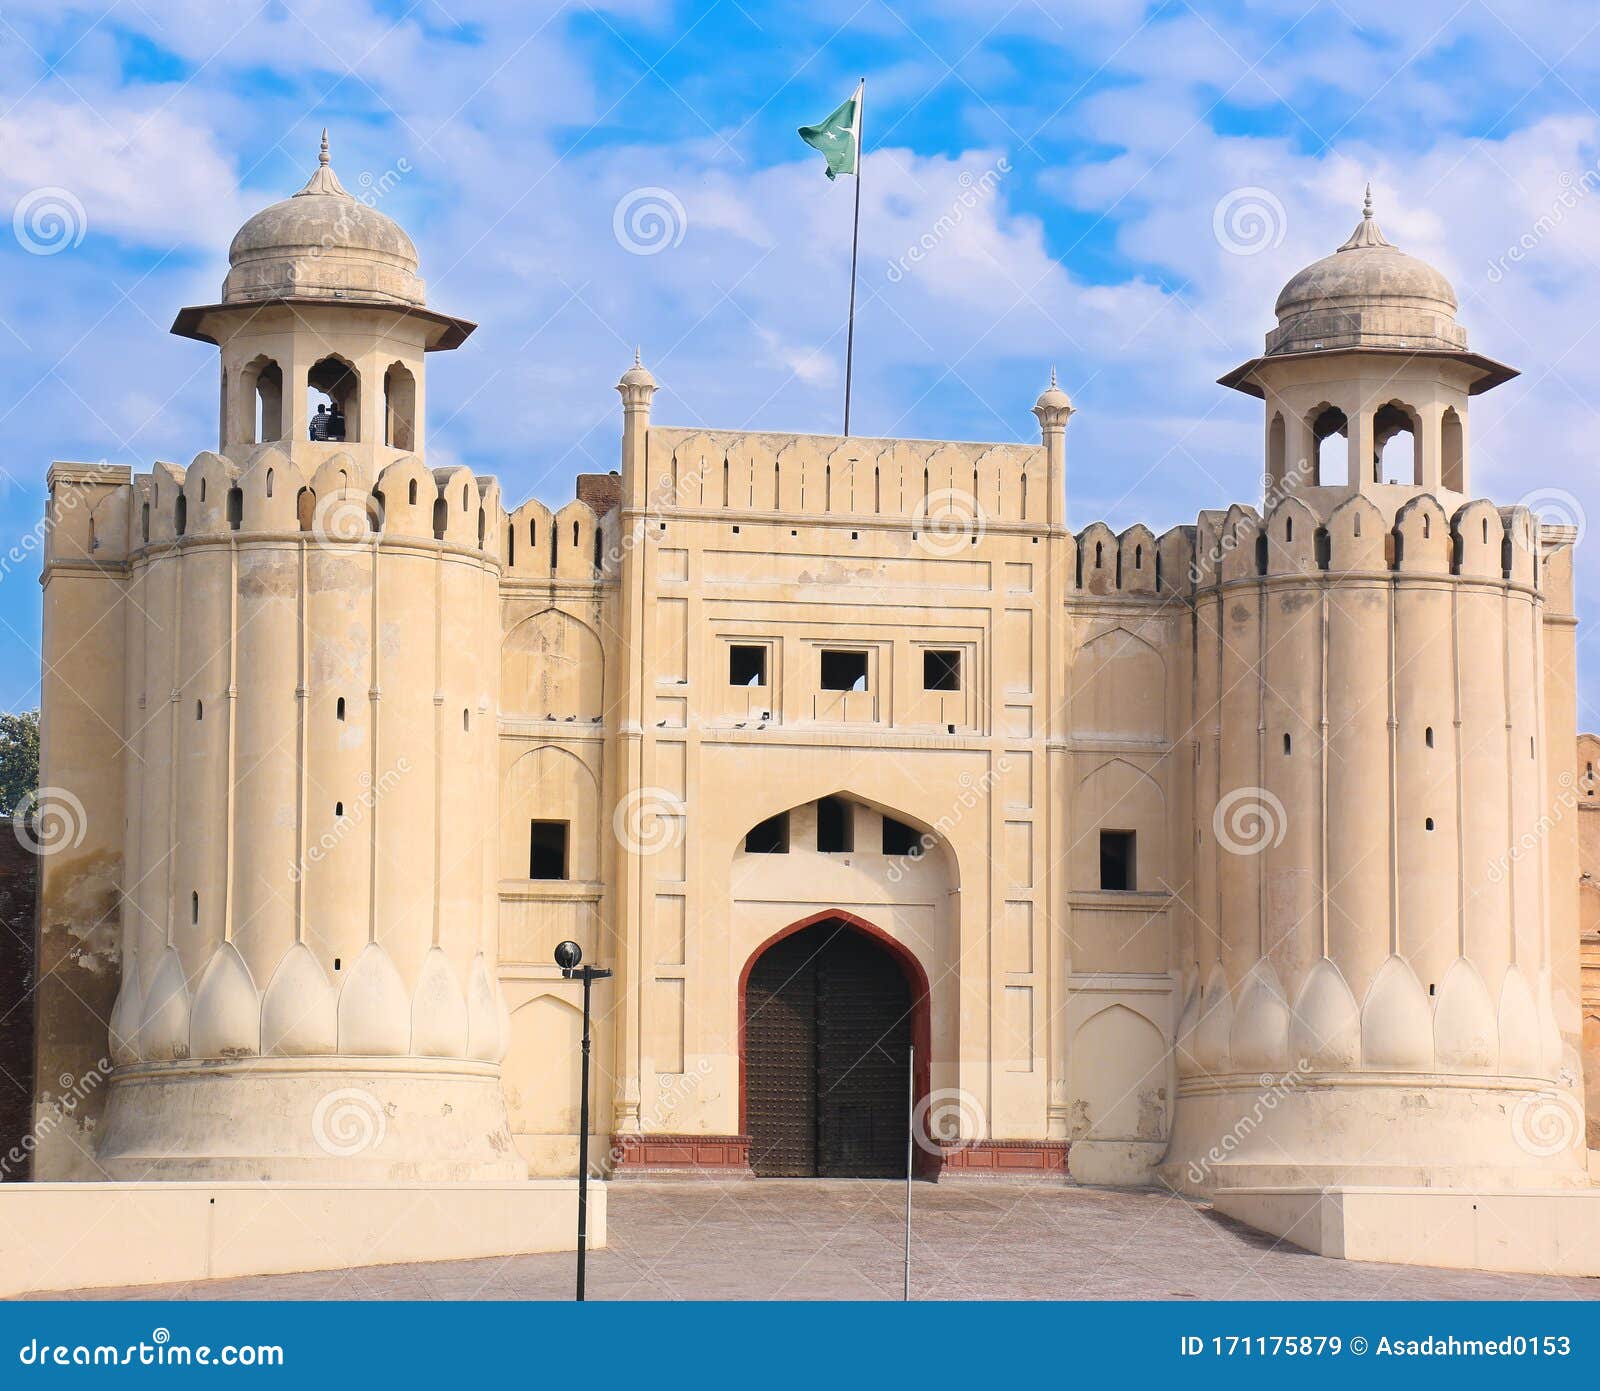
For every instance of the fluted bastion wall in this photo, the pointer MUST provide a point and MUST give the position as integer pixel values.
(1371, 936)
(310, 783)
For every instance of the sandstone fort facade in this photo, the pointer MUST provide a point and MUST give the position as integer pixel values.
(1223, 857)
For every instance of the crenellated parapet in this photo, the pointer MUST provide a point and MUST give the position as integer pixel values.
(872, 481)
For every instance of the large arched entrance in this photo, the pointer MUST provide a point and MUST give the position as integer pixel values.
(831, 1009)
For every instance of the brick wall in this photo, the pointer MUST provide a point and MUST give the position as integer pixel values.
(18, 890)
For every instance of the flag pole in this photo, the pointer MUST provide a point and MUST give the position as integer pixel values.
(855, 243)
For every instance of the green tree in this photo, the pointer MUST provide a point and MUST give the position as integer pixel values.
(19, 758)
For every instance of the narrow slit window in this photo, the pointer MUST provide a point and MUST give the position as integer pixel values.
(1117, 860)
(769, 837)
(747, 665)
(547, 850)
(835, 834)
(1288, 745)
(941, 670)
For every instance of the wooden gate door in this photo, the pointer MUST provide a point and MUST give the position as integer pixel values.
(863, 1050)
(780, 1059)
(827, 1043)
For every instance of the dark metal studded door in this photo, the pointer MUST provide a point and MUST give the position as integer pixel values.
(863, 1041)
(827, 1036)
(780, 1059)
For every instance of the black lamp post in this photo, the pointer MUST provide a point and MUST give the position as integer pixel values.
(568, 957)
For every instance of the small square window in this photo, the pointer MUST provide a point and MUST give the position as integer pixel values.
(747, 666)
(941, 669)
(900, 839)
(844, 671)
(547, 853)
(835, 833)
(769, 837)
(1117, 860)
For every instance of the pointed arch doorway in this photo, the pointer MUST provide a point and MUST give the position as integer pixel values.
(829, 1010)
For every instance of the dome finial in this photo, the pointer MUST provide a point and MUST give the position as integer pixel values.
(1367, 234)
(324, 180)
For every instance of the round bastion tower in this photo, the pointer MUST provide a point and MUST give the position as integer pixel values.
(309, 926)
(1369, 995)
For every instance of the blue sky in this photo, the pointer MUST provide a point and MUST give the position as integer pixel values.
(1079, 157)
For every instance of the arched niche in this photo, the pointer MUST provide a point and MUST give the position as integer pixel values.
(1119, 687)
(1117, 1074)
(549, 783)
(399, 407)
(552, 666)
(1119, 796)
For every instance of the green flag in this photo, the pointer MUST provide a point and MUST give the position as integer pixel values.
(839, 137)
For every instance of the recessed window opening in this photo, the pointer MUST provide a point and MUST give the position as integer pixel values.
(1427, 736)
(547, 850)
(941, 670)
(1396, 457)
(180, 516)
(1117, 861)
(1287, 745)
(901, 840)
(399, 407)
(769, 837)
(466, 720)
(235, 507)
(194, 907)
(199, 710)
(338, 808)
(844, 671)
(338, 709)
(835, 833)
(1428, 824)
(264, 385)
(1329, 432)
(333, 393)
(747, 665)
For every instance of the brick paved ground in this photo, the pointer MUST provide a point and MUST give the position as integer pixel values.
(841, 1239)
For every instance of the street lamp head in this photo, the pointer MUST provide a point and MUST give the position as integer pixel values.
(568, 955)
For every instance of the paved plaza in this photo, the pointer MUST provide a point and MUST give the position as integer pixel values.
(843, 1239)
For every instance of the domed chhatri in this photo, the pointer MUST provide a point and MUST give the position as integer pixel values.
(1367, 294)
(1052, 400)
(323, 243)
